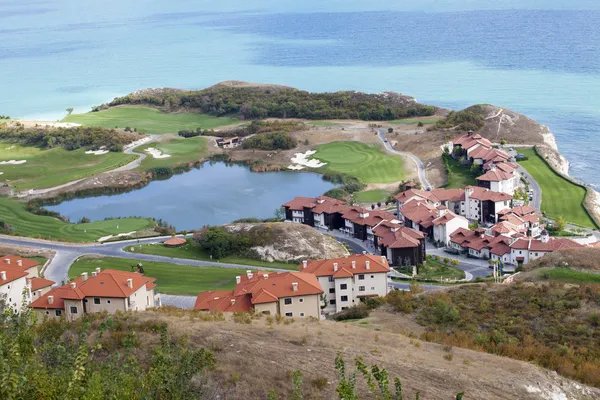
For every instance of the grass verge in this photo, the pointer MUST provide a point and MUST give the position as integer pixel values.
(192, 251)
(371, 196)
(434, 270)
(28, 224)
(53, 167)
(567, 275)
(170, 278)
(149, 120)
(560, 197)
(367, 163)
(459, 175)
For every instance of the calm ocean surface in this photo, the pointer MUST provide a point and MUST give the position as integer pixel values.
(540, 58)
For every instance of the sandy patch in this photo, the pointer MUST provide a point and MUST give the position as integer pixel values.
(105, 238)
(295, 167)
(304, 159)
(139, 142)
(96, 152)
(13, 162)
(155, 153)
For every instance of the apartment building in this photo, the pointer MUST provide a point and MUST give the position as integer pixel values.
(105, 290)
(525, 250)
(400, 245)
(290, 294)
(446, 224)
(347, 280)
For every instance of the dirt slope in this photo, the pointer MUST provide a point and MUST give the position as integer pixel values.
(286, 241)
(255, 358)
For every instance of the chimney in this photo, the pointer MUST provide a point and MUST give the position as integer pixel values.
(7, 260)
(3, 275)
(20, 263)
(364, 252)
(368, 264)
(238, 280)
(266, 276)
(353, 264)
(233, 302)
(94, 273)
(98, 270)
(73, 285)
(130, 283)
(383, 259)
(295, 286)
(50, 299)
(304, 264)
(249, 274)
(469, 133)
(335, 267)
(84, 276)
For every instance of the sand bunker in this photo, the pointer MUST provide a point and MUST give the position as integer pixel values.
(303, 159)
(105, 238)
(14, 162)
(156, 153)
(139, 142)
(295, 167)
(96, 152)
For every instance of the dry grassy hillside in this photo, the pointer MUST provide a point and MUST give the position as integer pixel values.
(585, 258)
(254, 358)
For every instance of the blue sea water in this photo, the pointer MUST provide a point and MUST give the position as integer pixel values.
(540, 58)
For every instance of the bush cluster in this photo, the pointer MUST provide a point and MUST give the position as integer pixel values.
(270, 141)
(469, 119)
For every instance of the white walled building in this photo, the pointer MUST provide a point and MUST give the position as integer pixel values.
(446, 224)
(345, 281)
(14, 287)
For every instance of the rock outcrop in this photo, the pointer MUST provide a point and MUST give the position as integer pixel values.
(280, 241)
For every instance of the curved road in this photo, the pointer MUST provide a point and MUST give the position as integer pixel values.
(420, 167)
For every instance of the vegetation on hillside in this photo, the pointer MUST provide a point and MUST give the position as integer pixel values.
(469, 119)
(68, 138)
(258, 102)
(552, 325)
(270, 141)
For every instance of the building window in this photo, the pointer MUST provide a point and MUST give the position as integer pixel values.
(372, 276)
(332, 302)
(344, 298)
(300, 300)
(343, 286)
(331, 279)
(361, 288)
(302, 314)
(287, 301)
(107, 301)
(96, 300)
(289, 314)
(372, 288)
(58, 313)
(361, 277)
(332, 290)
(47, 312)
(73, 310)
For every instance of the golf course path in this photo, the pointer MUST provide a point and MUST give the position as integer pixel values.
(420, 167)
(127, 167)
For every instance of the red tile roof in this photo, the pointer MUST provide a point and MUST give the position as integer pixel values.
(363, 216)
(12, 274)
(222, 301)
(444, 219)
(326, 267)
(495, 175)
(13, 260)
(484, 194)
(553, 244)
(59, 295)
(175, 241)
(298, 203)
(38, 283)
(397, 236)
(419, 212)
(523, 210)
(281, 284)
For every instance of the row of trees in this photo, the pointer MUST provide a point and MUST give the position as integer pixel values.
(257, 103)
(67, 138)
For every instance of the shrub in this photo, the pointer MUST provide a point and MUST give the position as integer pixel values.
(354, 312)
(270, 141)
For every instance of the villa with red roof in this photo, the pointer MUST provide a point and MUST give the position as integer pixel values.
(525, 250)
(106, 290)
(290, 294)
(20, 276)
(348, 280)
(402, 246)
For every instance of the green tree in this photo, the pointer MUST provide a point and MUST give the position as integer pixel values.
(560, 223)
(69, 110)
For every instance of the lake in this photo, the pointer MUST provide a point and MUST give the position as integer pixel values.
(213, 194)
(537, 57)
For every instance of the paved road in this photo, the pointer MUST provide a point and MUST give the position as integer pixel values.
(420, 167)
(137, 162)
(533, 185)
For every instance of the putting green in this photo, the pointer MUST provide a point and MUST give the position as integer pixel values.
(560, 197)
(181, 151)
(367, 163)
(52, 167)
(148, 120)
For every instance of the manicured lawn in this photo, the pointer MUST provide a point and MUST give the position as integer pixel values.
(559, 196)
(568, 275)
(414, 121)
(28, 224)
(367, 163)
(371, 196)
(433, 270)
(52, 167)
(194, 252)
(170, 278)
(459, 175)
(323, 123)
(148, 120)
(181, 151)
